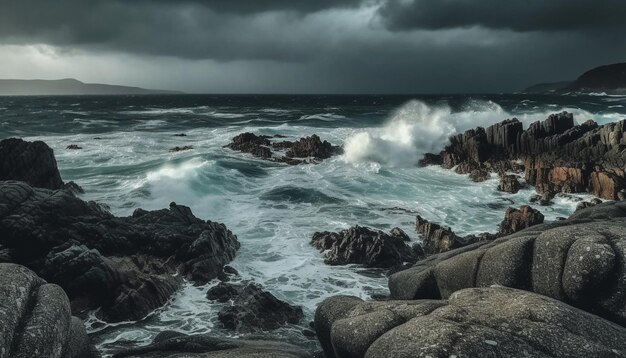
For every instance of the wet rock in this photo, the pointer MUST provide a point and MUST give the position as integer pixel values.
(170, 344)
(437, 238)
(364, 246)
(30, 162)
(519, 219)
(479, 175)
(587, 204)
(430, 159)
(181, 149)
(124, 265)
(180, 135)
(475, 322)
(509, 184)
(558, 156)
(36, 318)
(252, 309)
(73, 147)
(312, 147)
(579, 260)
(544, 199)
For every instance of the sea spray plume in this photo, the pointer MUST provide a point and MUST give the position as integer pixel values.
(417, 128)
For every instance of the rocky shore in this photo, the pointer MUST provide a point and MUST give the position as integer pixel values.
(532, 289)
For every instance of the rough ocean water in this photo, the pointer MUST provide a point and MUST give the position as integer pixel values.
(274, 208)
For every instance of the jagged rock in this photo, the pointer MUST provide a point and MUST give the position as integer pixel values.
(73, 147)
(36, 318)
(364, 246)
(509, 184)
(430, 159)
(311, 147)
(174, 344)
(122, 264)
(544, 199)
(519, 219)
(181, 149)
(579, 260)
(437, 238)
(252, 308)
(558, 156)
(479, 175)
(475, 322)
(308, 147)
(30, 162)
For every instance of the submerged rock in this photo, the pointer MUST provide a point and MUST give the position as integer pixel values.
(124, 265)
(364, 246)
(475, 322)
(174, 344)
(252, 309)
(181, 149)
(36, 318)
(73, 147)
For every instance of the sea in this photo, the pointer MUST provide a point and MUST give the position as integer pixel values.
(273, 208)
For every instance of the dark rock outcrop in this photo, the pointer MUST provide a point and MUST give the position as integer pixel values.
(181, 149)
(30, 162)
(73, 147)
(558, 156)
(437, 238)
(36, 318)
(252, 309)
(587, 204)
(174, 344)
(364, 246)
(519, 219)
(125, 265)
(305, 150)
(509, 184)
(475, 322)
(579, 260)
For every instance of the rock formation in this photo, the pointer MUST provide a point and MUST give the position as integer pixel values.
(475, 322)
(509, 184)
(519, 219)
(174, 344)
(364, 246)
(30, 162)
(125, 265)
(305, 150)
(252, 309)
(558, 156)
(36, 318)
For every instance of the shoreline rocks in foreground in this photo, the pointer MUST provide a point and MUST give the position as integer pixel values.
(303, 151)
(557, 155)
(36, 318)
(126, 266)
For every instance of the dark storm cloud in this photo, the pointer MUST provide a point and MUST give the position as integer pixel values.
(518, 15)
(194, 29)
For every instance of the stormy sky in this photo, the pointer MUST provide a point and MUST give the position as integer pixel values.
(311, 46)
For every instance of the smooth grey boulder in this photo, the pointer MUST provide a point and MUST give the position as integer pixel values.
(177, 345)
(36, 318)
(580, 260)
(475, 322)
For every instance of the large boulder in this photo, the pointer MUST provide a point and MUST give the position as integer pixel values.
(36, 318)
(311, 147)
(30, 162)
(475, 322)
(579, 260)
(174, 344)
(365, 246)
(125, 265)
(509, 184)
(251, 308)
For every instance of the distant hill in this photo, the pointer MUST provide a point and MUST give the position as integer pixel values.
(68, 87)
(610, 79)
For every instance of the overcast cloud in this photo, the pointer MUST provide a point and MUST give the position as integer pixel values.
(311, 46)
